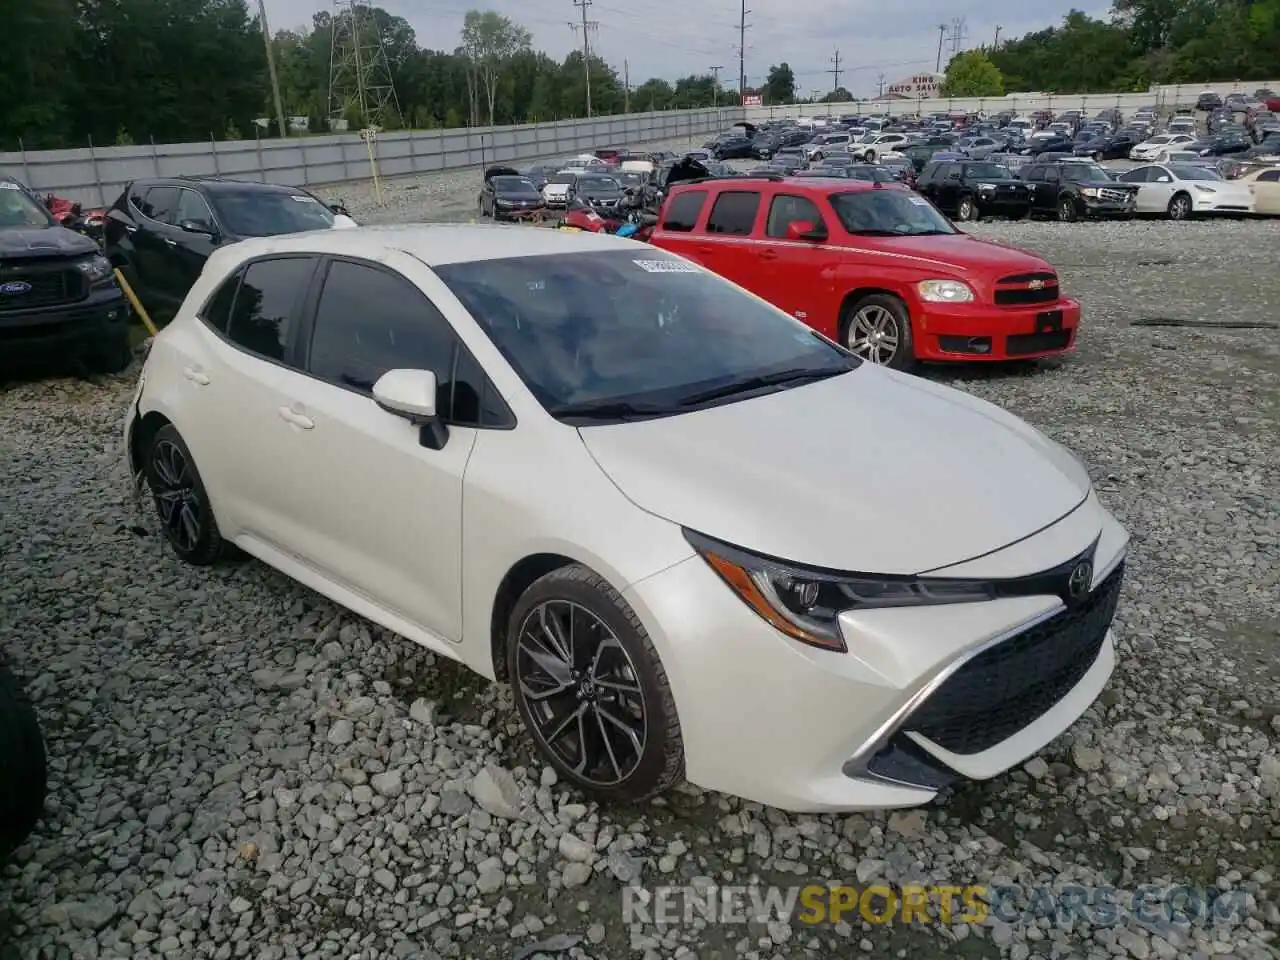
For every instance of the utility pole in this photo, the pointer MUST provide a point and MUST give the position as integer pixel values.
(942, 32)
(626, 87)
(996, 44)
(880, 82)
(271, 69)
(587, 26)
(742, 52)
(835, 72)
(715, 89)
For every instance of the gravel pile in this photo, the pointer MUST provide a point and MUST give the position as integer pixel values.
(242, 769)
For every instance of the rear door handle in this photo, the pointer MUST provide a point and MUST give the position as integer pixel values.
(169, 241)
(301, 420)
(768, 255)
(195, 375)
(706, 249)
(130, 228)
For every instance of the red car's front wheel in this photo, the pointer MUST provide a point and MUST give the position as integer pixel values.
(878, 329)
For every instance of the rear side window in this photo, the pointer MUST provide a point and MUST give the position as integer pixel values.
(684, 210)
(161, 203)
(265, 306)
(217, 312)
(734, 213)
(1271, 176)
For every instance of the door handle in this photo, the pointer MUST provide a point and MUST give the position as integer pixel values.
(293, 417)
(195, 376)
(130, 229)
(169, 242)
(768, 255)
(706, 249)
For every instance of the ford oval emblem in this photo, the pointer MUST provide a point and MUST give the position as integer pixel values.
(15, 287)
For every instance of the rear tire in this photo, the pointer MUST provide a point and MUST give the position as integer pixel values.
(182, 504)
(23, 764)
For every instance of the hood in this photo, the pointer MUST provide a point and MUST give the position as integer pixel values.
(934, 478)
(962, 252)
(556, 188)
(18, 243)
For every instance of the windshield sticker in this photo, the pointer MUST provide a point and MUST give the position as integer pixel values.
(9, 185)
(919, 201)
(665, 266)
(304, 199)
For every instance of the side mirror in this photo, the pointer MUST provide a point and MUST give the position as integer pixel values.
(197, 226)
(411, 394)
(805, 230)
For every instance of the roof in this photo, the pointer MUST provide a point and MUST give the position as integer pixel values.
(434, 244)
(217, 184)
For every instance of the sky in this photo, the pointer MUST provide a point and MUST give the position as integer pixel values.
(673, 38)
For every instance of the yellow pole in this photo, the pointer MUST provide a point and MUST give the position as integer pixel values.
(137, 304)
(373, 166)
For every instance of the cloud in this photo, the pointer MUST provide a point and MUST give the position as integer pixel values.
(673, 38)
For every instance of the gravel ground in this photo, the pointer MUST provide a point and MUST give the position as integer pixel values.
(242, 769)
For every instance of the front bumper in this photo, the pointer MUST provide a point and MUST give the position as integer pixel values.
(890, 722)
(1095, 208)
(516, 214)
(1230, 206)
(946, 332)
(64, 328)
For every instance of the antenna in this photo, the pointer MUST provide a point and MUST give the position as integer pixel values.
(835, 72)
(359, 74)
(586, 26)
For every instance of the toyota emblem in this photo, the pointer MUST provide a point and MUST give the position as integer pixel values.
(1080, 580)
(1036, 285)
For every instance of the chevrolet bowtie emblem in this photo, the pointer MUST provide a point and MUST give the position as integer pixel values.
(1036, 285)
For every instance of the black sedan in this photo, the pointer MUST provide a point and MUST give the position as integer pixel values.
(598, 190)
(1114, 147)
(506, 195)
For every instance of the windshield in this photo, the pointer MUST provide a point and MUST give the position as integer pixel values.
(597, 183)
(988, 171)
(889, 213)
(873, 174)
(1082, 172)
(631, 179)
(1186, 171)
(266, 213)
(1160, 139)
(563, 178)
(17, 209)
(514, 184)
(636, 326)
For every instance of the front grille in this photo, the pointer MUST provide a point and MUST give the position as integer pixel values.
(1016, 291)
(1113, 196)
(48, 285)
(1022, 344)
(1015, 683)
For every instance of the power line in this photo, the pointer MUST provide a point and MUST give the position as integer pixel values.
(835, 72)
(587, 26)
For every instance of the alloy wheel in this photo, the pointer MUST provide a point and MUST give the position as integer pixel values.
(1179, 208)
(582, 691)
(966, 209)
(874, 334)
(1066, 211)
(173, 486)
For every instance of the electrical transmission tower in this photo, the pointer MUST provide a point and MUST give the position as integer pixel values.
(959, 33)
(359, 73)
(835, 72)
(587, 27)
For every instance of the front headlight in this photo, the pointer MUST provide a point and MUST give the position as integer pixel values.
(805, 604)
(1203, 189)
(944, 291)
(1089, 191)
(986, 186)
(97, 268)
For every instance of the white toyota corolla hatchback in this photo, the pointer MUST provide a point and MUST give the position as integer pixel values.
(699, 540)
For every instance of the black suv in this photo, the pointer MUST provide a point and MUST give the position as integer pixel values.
(58, 294)
(161, 232)
(969, 189)
(1071, 189)
(1208, 102)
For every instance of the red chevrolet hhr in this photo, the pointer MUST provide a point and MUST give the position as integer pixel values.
(877, 269)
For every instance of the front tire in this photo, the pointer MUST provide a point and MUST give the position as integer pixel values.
(877, 328)
(591, 688)
(968, 210)
(181, 501)
(1067, 212)
(870, 156)
(1180, 207)
(23, 764)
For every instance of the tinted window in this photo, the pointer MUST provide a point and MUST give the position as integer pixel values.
(1270, 176)
(217, 312)
(734, 213)
(642, 325)
(192, 206)
(267, 213)
(889, 213)
(988, 171)
(1185, 171)
(262, 316)
(684, 209)
(786, 209)
(369, 321)
(17, 209)
(161, 204)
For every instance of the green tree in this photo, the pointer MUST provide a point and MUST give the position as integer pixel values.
(491, 40)
(972, 74)
(780, 84)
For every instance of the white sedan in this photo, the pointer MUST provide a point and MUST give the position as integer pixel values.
(605, 475)
(1181, 190)
(1148, 149)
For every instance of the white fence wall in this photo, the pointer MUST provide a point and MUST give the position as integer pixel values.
(1165, 98)
(96, 175)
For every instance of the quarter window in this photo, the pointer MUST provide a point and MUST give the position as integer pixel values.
(266, 304)
(684, 210)
(1271, 176)
(369, 321)
(734, 213)
(217, 312)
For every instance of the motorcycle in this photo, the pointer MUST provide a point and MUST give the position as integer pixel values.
(630, 220)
